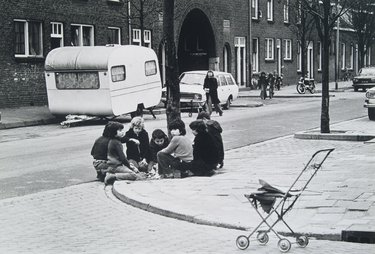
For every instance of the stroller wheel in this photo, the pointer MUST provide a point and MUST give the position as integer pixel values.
(302, 241)
(284, 245)
(242, 242)
(262, 238)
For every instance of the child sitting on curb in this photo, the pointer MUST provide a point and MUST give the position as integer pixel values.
(138, 152)
(119, 167)
(159, 141)
(177, 153)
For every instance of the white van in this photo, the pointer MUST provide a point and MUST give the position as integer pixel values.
(102, 80)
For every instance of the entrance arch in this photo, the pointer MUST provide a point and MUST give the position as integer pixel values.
(196, 45)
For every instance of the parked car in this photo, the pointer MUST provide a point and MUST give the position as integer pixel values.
(370, 103)
(193, 95)
(365, 79)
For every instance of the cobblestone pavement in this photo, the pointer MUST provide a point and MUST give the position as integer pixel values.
(86, 218)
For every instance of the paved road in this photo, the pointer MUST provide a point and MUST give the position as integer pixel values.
(41, 158)
(87, 219)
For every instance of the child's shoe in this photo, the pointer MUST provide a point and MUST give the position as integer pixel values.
(109, 179)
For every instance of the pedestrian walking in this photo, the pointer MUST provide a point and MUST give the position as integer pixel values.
(210, 86)
(263, 83)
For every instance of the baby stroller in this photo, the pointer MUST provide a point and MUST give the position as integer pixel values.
(276, 201)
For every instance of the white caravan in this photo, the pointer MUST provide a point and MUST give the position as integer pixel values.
(102, 80)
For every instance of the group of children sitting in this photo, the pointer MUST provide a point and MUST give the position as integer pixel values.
(158, 157)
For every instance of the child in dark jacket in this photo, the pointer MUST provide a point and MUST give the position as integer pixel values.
(138, 153)
(214, 128)
(205, 152)
(159, 141)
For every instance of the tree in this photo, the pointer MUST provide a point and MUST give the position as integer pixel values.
(325, 14)
(172, 83)
(363, 21)
(302, 25)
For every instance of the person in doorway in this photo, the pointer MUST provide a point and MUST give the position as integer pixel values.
(210, 86)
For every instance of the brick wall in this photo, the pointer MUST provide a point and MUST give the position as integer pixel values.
(22, 79)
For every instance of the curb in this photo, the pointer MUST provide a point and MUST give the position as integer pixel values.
(4, 126)
(288, 96)
(334, 135)
(171, 214)
(248, 105)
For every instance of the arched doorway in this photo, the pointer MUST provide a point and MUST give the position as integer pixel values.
(196, 45)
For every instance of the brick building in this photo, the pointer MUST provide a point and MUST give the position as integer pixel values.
(208, 34)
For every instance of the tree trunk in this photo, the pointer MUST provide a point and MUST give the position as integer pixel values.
(172, 83)
(324, 117)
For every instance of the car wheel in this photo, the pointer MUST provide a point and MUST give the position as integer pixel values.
(355, 89)
(228, 102)
(371, 114)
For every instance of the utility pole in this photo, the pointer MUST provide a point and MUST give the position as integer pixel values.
(337, 69)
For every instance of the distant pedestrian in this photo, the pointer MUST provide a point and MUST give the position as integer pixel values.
(137, 144)
(178, 153)
(263, 83)
(159, 141)
(205, 152)
(214, 128)
(210, 86)
(119, 166)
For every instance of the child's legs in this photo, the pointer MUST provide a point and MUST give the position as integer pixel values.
(151, 164)
(122, 169)
(134, 163)
(126, 176)
(165, 160)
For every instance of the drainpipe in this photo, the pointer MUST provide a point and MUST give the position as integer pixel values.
(130, 24)
(250, 46)
(337, 48)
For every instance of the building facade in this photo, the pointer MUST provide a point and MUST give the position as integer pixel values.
(243, 37)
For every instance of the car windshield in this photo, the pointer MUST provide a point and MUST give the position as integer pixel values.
(192, 78)
(367, 72)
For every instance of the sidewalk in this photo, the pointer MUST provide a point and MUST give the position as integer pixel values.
(341, 197)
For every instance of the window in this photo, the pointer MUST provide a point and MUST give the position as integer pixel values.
(255, 55)
(147, 38)
(288, 49)
(351, 60)
(82, 35)
(77, 80)
(269, 49)
(368, 56)
(319, 45)
(114, 35)
(286, 11)
(150, 68)
(223, 81)
(255, 9)
(240, 49)
(28, 38)
(118, 73)
(136, 36)
(299, 57)
(230, 80)
(270, 10)
(343, 55)
(57, 35)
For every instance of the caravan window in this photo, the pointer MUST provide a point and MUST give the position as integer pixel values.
(118, 73)
(150, 68)
(77, 80)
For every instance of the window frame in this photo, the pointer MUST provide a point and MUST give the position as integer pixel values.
(154, 69)
(80, 39)
(286, 12)
(287, 46)
(269, 44)
(343, 56)
(26, 38)
(255, 6)
(299, 56)
(118, 31)
(351, 57)
(319, 46)
(57, 35)
(270, 10)
(136, 36)
(147, 36)
(116, 74)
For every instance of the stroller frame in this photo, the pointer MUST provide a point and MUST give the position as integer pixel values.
(273, 201)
